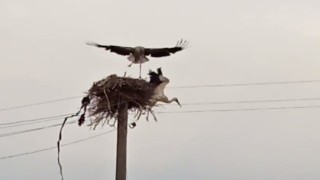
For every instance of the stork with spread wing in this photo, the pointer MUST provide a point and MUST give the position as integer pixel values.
(137, 55)
(159, 82)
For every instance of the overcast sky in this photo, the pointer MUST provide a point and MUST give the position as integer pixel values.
(44, 57)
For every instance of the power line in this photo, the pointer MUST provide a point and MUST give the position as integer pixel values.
(174, 87)
(57, 117)
(180, 112)
(249, 84)
(36, 119)
(164, 112)
(243, 109)
(50, 148)
(31, 130)
(51, 118)
(28, 123)
(252, 101)
(39, 103)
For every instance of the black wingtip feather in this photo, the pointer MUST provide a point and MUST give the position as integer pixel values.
(159, 71)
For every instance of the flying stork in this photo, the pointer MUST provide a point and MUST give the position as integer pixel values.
(137, 55)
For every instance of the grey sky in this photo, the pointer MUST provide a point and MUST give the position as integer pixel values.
(44, 57)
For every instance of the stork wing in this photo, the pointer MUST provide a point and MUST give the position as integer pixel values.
(160, 52)
(112, 48)
(159, 90)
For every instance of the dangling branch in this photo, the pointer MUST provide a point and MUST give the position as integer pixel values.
(85, 102)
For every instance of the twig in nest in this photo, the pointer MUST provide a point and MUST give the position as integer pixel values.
(154, 116)
(109, 107)
(138, 114)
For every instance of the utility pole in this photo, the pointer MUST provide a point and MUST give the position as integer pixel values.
(121, 162)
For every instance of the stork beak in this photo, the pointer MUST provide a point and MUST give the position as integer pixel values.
(178, 102)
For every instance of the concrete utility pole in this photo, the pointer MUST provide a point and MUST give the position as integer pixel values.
(121, 164)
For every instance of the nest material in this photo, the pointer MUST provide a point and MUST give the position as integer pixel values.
(107, 95)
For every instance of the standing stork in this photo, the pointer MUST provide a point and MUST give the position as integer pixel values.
(137, 55)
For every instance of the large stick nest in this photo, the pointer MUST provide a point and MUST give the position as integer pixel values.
(105, 97)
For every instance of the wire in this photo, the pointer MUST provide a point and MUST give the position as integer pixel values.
(51, 118)
(174, 87)
(248, 84)
(37, 119)
(50, 148)
(243, 109)
(164, 112)
(180, 112)
(57, 117)
(251, 101)
(28, 123)
(31, 130)
(39, 103)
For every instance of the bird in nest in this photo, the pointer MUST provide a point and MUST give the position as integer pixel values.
(160, 82)
(138, 54)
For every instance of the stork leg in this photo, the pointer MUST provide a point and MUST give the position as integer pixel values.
(147, 117)
(140, 71)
